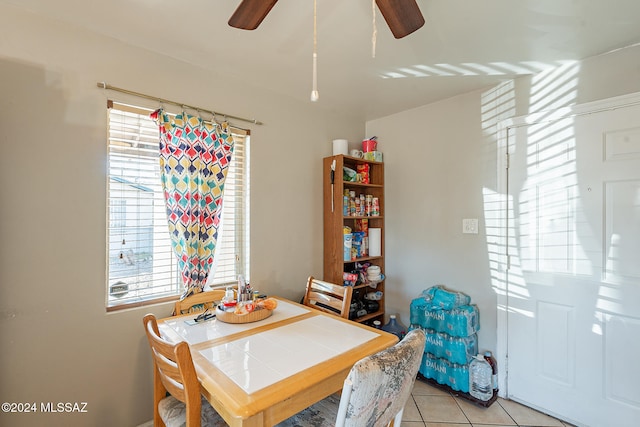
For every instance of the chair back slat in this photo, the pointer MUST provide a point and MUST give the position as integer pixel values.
(199, 302)
(328, 297)
(326, 303)
(170, 375)
(173, 372)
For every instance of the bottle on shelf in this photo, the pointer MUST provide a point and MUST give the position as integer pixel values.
(345, 203)
(480, 379)
(395, 327)
(352, 203)
(494, 368)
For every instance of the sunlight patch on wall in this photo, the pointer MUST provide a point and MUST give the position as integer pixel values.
(554, 88)
(515, 286)
(493, 218)
(548, 207)
(541, 211)
(497, 105)
(474, 69)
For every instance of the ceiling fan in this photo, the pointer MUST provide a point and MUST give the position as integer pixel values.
(403, 16)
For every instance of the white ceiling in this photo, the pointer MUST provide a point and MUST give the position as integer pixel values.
(465, 45)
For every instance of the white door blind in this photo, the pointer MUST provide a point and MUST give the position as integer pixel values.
(141, 264)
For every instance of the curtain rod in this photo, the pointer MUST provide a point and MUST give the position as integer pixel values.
(104, 85)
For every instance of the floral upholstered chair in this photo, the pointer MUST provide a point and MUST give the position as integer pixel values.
(375, 391)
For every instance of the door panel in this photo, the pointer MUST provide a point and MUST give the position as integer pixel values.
(573, 290)
(622, 208)
(621, 367)
(555, 366)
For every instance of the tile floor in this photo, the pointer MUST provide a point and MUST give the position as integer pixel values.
(432, 407)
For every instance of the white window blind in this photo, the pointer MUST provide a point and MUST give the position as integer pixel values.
(141, 264)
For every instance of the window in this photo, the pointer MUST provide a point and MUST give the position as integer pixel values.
(141, 266)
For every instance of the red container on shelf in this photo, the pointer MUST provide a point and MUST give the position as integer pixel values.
(369, 145)
(363, 170)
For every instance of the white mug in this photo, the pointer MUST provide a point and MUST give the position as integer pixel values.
(356, 153)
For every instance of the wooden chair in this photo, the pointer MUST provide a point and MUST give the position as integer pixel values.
(174, 373)
(328, 297)
(375, 391)
(199, 302)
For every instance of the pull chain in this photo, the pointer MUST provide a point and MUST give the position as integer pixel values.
(314, 85)
(375, 30)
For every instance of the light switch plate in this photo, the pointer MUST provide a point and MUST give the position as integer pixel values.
(470, 226)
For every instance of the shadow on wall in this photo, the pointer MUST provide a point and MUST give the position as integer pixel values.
(59, 345)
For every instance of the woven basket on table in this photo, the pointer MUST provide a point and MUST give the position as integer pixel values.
(231, 317)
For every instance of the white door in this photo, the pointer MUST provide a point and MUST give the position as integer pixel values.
(573, 315)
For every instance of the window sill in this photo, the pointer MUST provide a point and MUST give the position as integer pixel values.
(137, 304)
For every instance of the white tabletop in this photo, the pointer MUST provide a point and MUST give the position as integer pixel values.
(257, 361)
(260, 373)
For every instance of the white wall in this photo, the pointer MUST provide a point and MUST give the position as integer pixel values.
(57, 343)
(441, 167)
(437, 163)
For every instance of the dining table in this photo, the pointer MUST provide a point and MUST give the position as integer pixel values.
(263, 372)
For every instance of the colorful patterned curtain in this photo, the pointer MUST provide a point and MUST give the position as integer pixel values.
(194, 160)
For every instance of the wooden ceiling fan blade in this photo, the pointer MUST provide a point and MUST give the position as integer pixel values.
(403, 16)
(250, 13)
